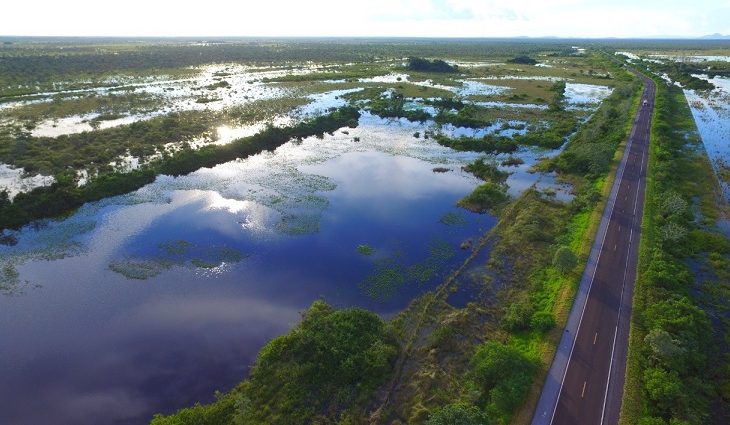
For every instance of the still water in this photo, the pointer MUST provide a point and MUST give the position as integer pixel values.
(151, 301)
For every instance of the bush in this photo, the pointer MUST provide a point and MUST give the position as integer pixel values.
(564, 259)
(487, 171)
(504, 375)
(523, 60)
(517, 316)
(663, 388)
(425, 65)
(331, 362)
(486, 197)
(542, 321)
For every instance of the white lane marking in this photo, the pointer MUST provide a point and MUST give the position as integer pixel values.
(583, 393)
(595, 337)
(608, 378)
(623, 288)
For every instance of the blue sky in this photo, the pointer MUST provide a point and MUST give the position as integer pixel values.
(411, 18)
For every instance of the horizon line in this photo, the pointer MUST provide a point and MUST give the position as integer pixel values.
(717, 37)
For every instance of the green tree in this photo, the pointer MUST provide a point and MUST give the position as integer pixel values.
(662, 387)
(664, 348)
(503, 374)
(330, 362)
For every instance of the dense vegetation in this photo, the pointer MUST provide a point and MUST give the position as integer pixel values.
(487, 144)
(491, 195)
(524, 60)
(678, 373)
(65, 194)
(425, 65)
(595, 144)
(94, 151)
(320, 372)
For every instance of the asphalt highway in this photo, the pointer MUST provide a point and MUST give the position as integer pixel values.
(585, 382)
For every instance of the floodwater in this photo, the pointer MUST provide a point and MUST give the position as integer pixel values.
(150, 301)
(711, 111)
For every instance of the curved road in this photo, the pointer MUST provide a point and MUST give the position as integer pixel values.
(585, 382)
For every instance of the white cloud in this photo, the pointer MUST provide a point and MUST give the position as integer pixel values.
(456, 18)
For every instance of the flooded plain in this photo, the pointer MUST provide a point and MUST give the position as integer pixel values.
(711, 111)
(168, 293)
(151, 301)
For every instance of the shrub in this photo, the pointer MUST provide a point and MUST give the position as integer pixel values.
(517, 316)
(564, 259)
(503, 374)
(542, 321)
(486, 197)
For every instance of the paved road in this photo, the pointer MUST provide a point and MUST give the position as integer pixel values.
(585, 382)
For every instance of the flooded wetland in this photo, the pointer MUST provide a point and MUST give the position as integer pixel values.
(149, 297)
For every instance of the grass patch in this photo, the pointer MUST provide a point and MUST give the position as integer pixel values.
(365, 249)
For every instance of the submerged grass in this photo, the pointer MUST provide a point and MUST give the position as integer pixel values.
(179, 253)
(391, 273)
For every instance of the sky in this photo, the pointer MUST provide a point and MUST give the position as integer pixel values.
(366, 18)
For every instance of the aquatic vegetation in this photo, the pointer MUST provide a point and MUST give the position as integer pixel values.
(219, 85)
(488, 197)
(95, 150)
(467, 116)
(453, 218)
(65, 195)
(487, 170)
(393, 272)
(365, 249)
(106, 105)
(139, 269)
(512, 161)
(177, 253)
(393, 106)
(489, 143)
(298, 224)
(179, 247)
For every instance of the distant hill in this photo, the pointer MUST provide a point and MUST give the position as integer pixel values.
(716, 36)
